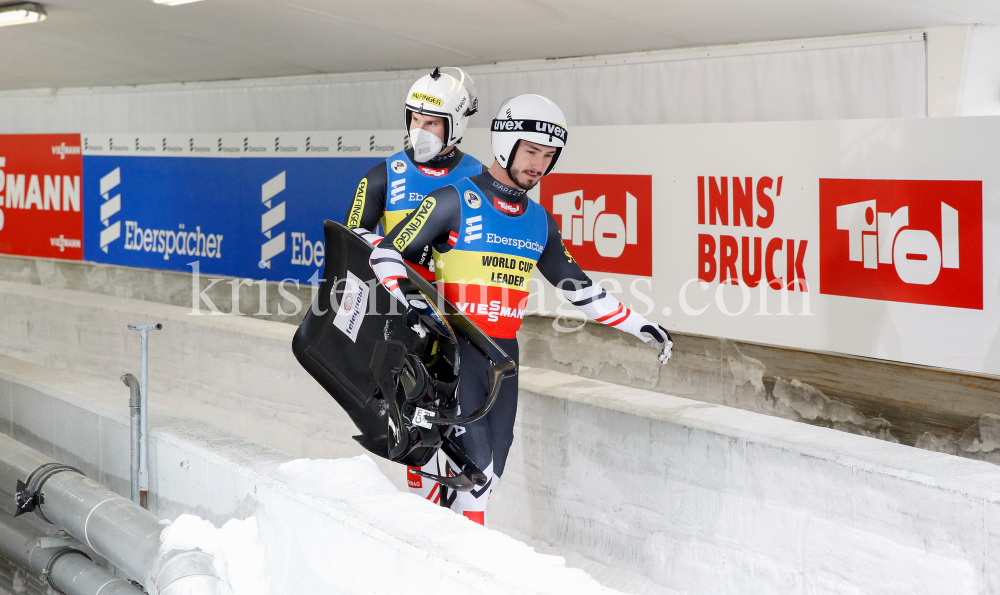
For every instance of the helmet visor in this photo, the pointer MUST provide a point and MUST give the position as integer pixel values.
(469, 85)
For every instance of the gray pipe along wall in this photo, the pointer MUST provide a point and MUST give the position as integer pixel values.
(113, 527)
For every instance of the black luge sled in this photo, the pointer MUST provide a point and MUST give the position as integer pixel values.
(398, 386)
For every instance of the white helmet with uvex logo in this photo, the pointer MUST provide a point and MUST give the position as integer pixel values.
(446, 93)
(532, 118)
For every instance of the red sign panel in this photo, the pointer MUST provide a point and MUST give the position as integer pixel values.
(914, 241)
(40, 193)
(606, 220)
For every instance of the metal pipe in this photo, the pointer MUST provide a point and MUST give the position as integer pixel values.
(135, 411)
(144, 432)
(114, 527)
(66, 568)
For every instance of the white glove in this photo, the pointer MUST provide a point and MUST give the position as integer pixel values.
(657, 336)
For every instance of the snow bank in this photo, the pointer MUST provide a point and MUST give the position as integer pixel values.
(291, 547)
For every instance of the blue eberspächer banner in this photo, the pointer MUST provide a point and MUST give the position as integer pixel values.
(239, 205)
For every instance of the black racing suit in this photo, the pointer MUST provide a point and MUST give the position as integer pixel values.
(374, 193)
(487, 441)
(446, 219)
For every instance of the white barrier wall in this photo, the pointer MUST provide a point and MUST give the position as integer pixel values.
(695, 497)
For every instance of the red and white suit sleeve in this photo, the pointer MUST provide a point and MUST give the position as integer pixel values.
(600, 305)
(387, 264)
(389, 268)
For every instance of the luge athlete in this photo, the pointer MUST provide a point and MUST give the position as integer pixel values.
(436, 113)
(487, 238)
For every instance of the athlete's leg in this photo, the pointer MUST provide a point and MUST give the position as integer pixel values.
(480, 440)
(474, 438)
(423, 487)
(504, 412)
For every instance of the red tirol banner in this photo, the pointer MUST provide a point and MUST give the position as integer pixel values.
(40, 195)
(606, 220)
(915, 241)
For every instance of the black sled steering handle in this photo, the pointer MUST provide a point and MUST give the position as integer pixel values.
(497, 372)
(501, 365)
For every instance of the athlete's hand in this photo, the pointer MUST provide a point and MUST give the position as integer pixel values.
(416, 305)
(657, 336)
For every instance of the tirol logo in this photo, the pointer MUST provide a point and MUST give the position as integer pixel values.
(430, 171)
(914, 241)
(605, 220)
(506, 207)
(273, 216)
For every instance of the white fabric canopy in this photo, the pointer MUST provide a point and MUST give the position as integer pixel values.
(857, 77)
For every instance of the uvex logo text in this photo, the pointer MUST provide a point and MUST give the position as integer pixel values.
(605, 220)
(915, 241)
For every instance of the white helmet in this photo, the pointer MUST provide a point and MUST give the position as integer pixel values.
(532, 118)
(447, 93)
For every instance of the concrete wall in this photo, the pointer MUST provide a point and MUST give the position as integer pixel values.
(688, 495)
(709, 499)
(350, 532)
(918, 406)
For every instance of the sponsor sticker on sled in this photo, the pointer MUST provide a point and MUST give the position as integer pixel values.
(420, 418)
(353, 306)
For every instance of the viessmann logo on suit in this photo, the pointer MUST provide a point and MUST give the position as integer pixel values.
(915, 241)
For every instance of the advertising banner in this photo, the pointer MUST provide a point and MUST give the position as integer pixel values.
(872, 238)
(248, 206)
(40, 201)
